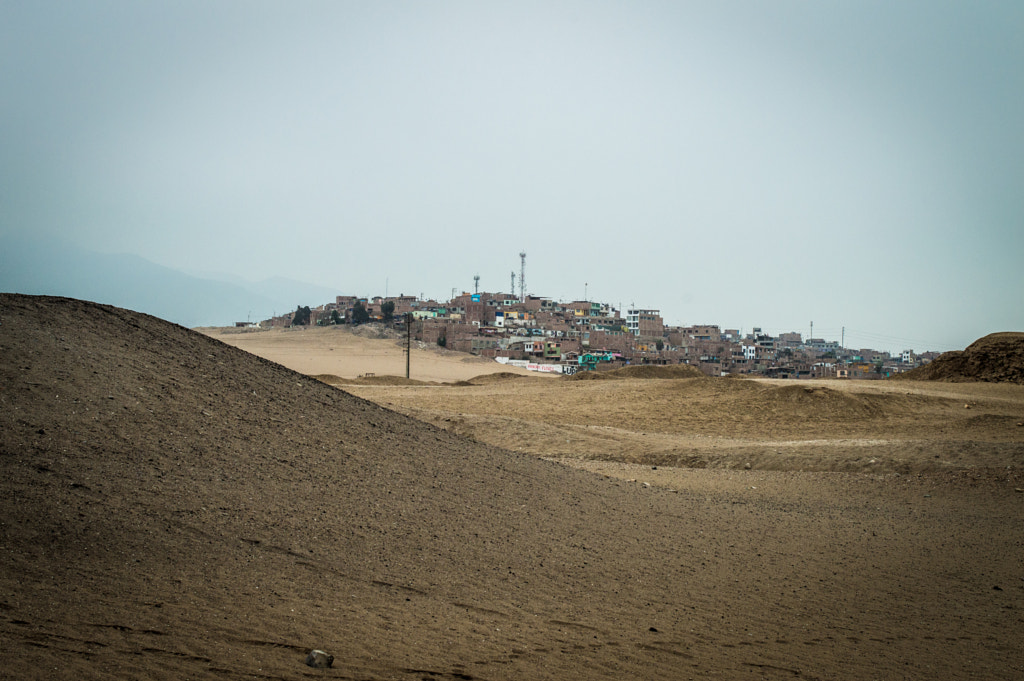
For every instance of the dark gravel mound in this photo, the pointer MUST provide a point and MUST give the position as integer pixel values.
(996, 358)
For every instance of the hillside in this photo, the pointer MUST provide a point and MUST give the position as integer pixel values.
(173, 507)
(996, 358)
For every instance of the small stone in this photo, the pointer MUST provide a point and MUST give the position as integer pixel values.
(318, 659)
(747, 466)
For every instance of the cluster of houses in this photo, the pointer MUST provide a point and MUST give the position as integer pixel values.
(546, 333)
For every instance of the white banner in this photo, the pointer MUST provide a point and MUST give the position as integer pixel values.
(545, 368)
(534, 366)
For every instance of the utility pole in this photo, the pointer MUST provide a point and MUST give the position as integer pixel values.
(812, 331)
(842, 343)
(408, 341)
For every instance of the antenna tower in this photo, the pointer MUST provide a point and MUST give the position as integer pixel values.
(522, 277)
(513, 283)
(476, 283)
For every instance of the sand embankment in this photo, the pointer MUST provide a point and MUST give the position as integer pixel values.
(173, 507)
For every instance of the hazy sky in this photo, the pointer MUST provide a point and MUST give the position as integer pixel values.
(856, 164)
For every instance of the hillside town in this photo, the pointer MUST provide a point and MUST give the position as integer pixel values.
(544, 335)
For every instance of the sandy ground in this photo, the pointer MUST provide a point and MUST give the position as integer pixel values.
(172, 507)
(338, 351)
(853, 426)
(720, 423)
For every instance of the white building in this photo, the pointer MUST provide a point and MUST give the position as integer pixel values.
(633, 319)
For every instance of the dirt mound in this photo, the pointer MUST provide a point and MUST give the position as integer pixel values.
(640, 371)
(806, 394)
(996, 358)
(374, 330)
(659, 372)
(589, 376)
(488, 379)
(329, 379)
(381, 380)
(338, 381)
(815, 404)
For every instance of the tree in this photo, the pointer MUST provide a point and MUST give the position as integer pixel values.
(660, 345)
(301, 316)
(359, 313)
(388, 310)
(336, 318)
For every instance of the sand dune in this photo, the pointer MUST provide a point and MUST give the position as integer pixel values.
(173, 507)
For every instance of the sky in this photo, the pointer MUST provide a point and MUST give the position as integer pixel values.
(855, 165)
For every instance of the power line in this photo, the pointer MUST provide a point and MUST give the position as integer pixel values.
(874, 337)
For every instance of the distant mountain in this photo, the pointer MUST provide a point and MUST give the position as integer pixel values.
(45, 268)
(286, 293)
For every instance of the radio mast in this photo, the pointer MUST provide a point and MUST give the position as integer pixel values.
(522, 277)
